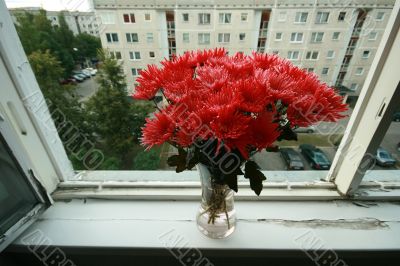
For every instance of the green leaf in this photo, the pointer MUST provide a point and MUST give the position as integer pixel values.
(178, 160)
(231, 181)
(252, 172)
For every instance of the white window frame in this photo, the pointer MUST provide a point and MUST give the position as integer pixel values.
(130, 18)
(145, 17)
(344, 17)
(310, 55)
(320, 17)
(224, 37)
(343, 173)
(137, 71)
(301, 17)
(281, 35)
(183, 17)
(282, 16)
(204, 18)
(333, 36)
(114, 54)
(149, 37)
(323, 71)
(202, 38)
(291, 55)
(225, 18)
(131, 37)
(314, 37)
(378, 18)
(368, 54)
(375, 36)
(330, 57)
(357, 73)
(154, 53)
(187, 40)
(244, 15)
(112, 35)
(296, 36)
(135, 56)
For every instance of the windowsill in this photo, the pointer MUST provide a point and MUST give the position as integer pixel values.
(337, 225)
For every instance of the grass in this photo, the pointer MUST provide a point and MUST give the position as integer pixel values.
(315, 139)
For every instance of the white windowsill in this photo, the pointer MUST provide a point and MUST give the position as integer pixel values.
(261, 225)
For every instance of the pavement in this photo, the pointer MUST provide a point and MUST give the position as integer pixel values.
(86, 89)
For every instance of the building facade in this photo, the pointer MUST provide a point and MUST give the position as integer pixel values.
(335, 39)
(78, 22)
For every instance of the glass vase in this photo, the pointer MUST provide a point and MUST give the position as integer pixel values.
(216, 217)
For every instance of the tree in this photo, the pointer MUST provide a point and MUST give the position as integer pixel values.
(109, 109)
(86, 45)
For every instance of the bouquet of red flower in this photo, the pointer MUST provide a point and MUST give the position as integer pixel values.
(222, 109)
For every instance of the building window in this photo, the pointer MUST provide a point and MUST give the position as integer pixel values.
(147, 17)
(204, 38)
(185, 37)
(365, 54)
(152, 55)
(330, 54)
(359, 71)
(243, 17)
(325, 71)
(278, 36)
(312, 55)
(136, 71)
(150, 37)
(293, 55)
(112, 37)
(115, 55)
(275, 52)
(296, 37)
(380, 15)
(317, 36)
(224, 37)
(242, 36)
(132, 37)
(353, 86)
(335, 35)
(204, 18)
(322, 17)
(310, 69)
(342, 16)
(185, 17)
(282, 16)
(134, 55)
(372, 36)
(129, 18)
(225, 18)
(301, 17)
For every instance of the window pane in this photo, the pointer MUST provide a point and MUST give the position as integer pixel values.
(16, 196)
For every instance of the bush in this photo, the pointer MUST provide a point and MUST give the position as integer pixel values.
(111, 163)
(147, 160)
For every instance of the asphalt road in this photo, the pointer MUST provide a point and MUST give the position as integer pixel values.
(87, 89)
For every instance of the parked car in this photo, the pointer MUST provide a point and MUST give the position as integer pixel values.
(83, 75)
(92, 71)
(87, 72)
(396, 117)
(316, 157)
(310, 129)
(78, 78)
(384, 158)
(68, 81)
(292, 159)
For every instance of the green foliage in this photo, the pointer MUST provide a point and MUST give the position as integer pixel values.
(108, 110)
(86, 45)
(111, 163)
(147, 160)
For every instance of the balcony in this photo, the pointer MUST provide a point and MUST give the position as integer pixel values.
(350, 50)
(263, 33)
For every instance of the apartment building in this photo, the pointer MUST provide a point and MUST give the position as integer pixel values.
(335, 39)
(78, 22)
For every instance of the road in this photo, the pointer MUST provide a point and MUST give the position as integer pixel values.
(86, 89)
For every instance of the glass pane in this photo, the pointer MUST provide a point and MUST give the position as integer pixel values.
(16, 195)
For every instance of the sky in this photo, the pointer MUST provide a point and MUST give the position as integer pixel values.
(73, 5)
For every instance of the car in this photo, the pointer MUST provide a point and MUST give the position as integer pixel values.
(83, 75)
(309, 129)
(92, 71)
(396, 117)
(316, 157)
(68, 81)
(87, 72)
(292, 159)
(78, 78)
(384, 158)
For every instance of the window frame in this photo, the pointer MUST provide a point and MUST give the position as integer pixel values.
(312, 53)
(244, 14)
(330, 57)
(183, 17)
(149, 37)
(244, 36)
(299, 15)
(316, 34)
(292, 52)
(133, 56)
(222, 18)
(183, 37)
(336, 176)
(296, 35)
(203, 34)
(319, 17)
(131, 34)
(202, 20)
(281, 35)
(223, 38)
(338, 36)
